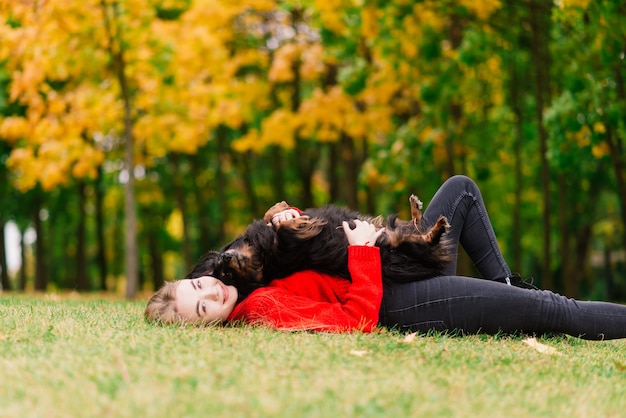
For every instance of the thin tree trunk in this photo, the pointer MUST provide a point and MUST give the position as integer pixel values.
(116, 52)
(220, 182)
(4, 280)
(22, 274)
(41, 278)
(277, 172)
(156, 257)
(540, 30)
(202, 200)
(350, 165)
(515, 91)
(565, 236)
(82, 282)
(101, 255)
(247, 177)
(616, 147)
(333, 172)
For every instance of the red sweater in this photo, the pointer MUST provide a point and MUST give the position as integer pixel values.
(309, 300)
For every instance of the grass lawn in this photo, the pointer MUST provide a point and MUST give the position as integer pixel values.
(88, 357)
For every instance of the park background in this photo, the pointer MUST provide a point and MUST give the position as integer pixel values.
(137, 134)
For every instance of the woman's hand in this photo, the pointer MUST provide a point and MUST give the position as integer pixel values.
(364, 233)
(283, 216)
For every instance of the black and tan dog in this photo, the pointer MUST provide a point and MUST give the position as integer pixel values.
(316, 241)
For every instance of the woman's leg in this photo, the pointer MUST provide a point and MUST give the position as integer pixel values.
(472, 306)
(459, 199)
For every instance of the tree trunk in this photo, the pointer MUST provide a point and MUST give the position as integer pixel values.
(247, 173)
(540, 27)
(101, 247)
(618, 160)
(220, 182)
(116, 52)
(333, 172)
(82, 283)
(4, 279)
(351, 167)
(22, 275)
(156, 258)
(565, 237)
(516, 104)
(41, 278)
(202, 203)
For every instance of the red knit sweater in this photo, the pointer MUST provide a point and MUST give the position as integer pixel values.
(309, 300)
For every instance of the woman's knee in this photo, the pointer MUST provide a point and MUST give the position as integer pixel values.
(463, 182)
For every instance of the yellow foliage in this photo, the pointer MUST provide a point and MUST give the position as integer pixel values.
(87, 163)
(277, 129)
(25, 168)
(149, 193)
(426, 13)
(282, 67)
(581, 138)
(13, 128)
(249, 142)
(599, 128)
(174, 224)
(331, 14)
(312, 62)
(52, 175)
(481, 8)
(573, 4)
(369, 22)
(600, 150)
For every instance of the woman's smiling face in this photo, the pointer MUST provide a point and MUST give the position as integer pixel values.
(205, 300)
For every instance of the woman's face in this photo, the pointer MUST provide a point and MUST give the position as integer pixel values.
(204, 300)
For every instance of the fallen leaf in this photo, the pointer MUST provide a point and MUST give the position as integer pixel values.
(542, 348)
(620, 366)
(358, 353)
(409, 338)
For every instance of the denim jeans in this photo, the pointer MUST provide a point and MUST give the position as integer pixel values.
(471, 305)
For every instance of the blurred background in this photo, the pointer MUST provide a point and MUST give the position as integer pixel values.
(135, 135)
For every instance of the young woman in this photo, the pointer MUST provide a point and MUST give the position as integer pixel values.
(313, 301)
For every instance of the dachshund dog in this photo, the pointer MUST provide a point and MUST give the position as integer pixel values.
(316, 241)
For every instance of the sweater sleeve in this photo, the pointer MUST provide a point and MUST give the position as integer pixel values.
(279, 307)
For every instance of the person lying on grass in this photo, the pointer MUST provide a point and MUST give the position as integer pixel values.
(496, 303)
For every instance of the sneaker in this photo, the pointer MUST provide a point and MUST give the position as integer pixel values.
(525, 283)
(517, 281)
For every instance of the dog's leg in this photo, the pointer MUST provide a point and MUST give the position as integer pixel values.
(278, 207)
(416, 210)
(434, 234)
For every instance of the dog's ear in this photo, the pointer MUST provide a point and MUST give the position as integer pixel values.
(278, 207)
(204, 267)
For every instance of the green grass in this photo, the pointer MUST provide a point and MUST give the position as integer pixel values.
(84, 357)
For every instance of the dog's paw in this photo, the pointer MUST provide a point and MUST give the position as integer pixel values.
(441, 227)
(416, 210)
(278, 207)
(415, 202)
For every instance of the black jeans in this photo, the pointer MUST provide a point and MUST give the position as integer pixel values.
(470, 305)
